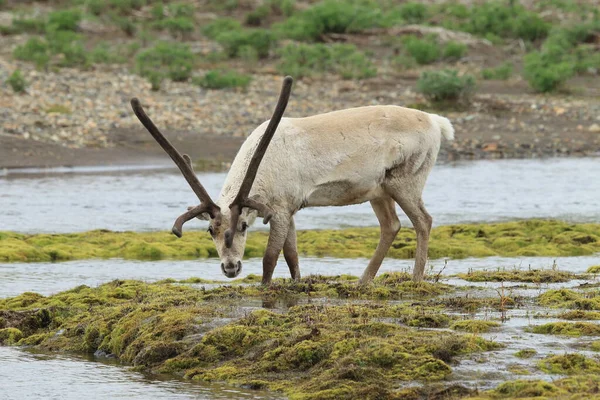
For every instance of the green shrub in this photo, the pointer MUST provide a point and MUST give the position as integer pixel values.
(221, 25)
(256, 16)
(17, 81)
(413, 12)
(501, 72)
(544, 73)
(64, 20)
(424, 51)
(69, 48)
(35, 50)
(529, 26)
(218, 79)
(331, 16)
(165, 60)
(260, 39)
(455, 50)
(445, 85)
(342, 59)
(179, 26)
(29, 25)
(125, 7)
(505, 20)
(102, 53)
(125, 23)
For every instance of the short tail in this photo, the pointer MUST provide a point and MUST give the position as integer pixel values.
(445, 126)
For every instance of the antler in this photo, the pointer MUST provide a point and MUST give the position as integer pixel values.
(242, 200)
(185, 166)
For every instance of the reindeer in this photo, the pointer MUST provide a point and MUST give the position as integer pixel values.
(380, 154)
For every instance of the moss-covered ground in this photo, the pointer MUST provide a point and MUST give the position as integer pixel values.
(318, 338)
(521, 238)
(340, 349)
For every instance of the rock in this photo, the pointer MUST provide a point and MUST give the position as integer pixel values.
(594, 128)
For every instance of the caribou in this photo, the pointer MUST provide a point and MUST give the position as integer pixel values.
(379, 154)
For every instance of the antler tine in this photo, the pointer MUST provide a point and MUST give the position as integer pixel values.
(241, 200)
(192, 213)
(183, 163)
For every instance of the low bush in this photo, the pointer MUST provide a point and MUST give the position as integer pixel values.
(454, 50)
(544, 73)
(28, 25)
(165, 60)
(17, 81)
(219, 26)
(260, 39)
(413, 12)
(331, 16)
(344, 60)
(501, 72)
(445, 85)
(424, 51)
(35, 50)
(63, 20)
(218, 79)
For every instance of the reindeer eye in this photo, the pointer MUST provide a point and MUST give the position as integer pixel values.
(244, 226)
(211, 231)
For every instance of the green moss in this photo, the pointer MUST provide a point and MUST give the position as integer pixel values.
(594, 269)
(474, 326)
(559, 297)
(530, 237)
(526, 353)
(534, 276)
(523, 389)
(569, 364)
(353, 350)
(568, 328)
(10, 335)
(580, 314)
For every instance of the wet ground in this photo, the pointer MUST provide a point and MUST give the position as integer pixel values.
(152, 198)
(478, 191)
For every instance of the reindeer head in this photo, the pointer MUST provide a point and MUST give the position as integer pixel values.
(227, 227)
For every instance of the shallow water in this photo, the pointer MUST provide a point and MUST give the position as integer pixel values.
(32, 375)
(152, 199)
(48, 278)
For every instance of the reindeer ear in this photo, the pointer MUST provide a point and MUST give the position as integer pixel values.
(204, 217)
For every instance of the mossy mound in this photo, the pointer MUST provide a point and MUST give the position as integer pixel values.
(594, 269)
(526, 353)
(514, 275)
(569, 364)
(474, 326)
(568, 328)
(522, 238)
(343, 351)
(525, 389)
(583, 386)
(566, 298)
(580, 315)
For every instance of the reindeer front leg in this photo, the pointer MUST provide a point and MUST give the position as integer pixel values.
(290, 251)
(277, 238)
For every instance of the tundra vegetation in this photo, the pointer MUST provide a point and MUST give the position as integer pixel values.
(522, 238)
(370, 342)
(300, 38)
